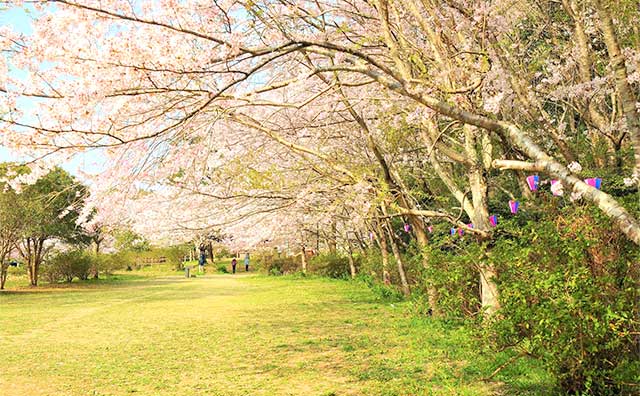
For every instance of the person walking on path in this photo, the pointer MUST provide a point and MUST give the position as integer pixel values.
(234, 262)
(203, 258)
(246, 262)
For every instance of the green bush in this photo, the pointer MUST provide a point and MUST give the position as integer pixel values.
(283, 265)
(66, 266)
(332, 265)
(123, 260)
(569, 291)
(107, 264)
(452, 274)
(222, 268)
(261, 259)
(371, 264)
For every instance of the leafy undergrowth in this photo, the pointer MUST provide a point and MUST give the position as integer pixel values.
(238, 335)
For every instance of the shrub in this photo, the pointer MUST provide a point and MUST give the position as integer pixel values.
(384, 292)
(263, 257)
(123, 260)
(371, 264)
(222, 269)
(66, 266)
(569, 286)
(109, 263)
(569, 291)
(332, 265)
(452, 274)
(282, 265)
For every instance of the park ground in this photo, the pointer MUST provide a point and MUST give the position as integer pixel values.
(152, 333)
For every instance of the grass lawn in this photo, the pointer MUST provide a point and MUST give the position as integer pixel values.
(147, 334)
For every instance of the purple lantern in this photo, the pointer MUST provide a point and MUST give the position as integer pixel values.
(470, 225)
(493, 220)
(533, 182)
(460, 231)
(594, 182)
(407, 227)
(513, 205)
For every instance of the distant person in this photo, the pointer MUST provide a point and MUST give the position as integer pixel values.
(203, 258)
(234, 262)
(246, 262)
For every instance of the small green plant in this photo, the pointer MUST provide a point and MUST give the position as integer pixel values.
(273, 271)
(384, 292)
(222, 269)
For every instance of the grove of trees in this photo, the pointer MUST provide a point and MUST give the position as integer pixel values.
(36, 216)
(384, 128)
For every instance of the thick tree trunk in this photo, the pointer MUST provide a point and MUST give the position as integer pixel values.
(489, 290)
(34, 273)
(489, 296)
(33, 277)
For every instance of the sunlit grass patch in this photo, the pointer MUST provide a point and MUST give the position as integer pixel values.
(153, 333)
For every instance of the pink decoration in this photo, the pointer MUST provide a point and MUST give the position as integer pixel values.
(595, 182)
(513, 205)
(533, 182)
(493, 220)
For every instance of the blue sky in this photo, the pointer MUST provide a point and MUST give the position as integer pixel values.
(20, 20)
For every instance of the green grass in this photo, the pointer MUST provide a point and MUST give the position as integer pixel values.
(148, 333)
